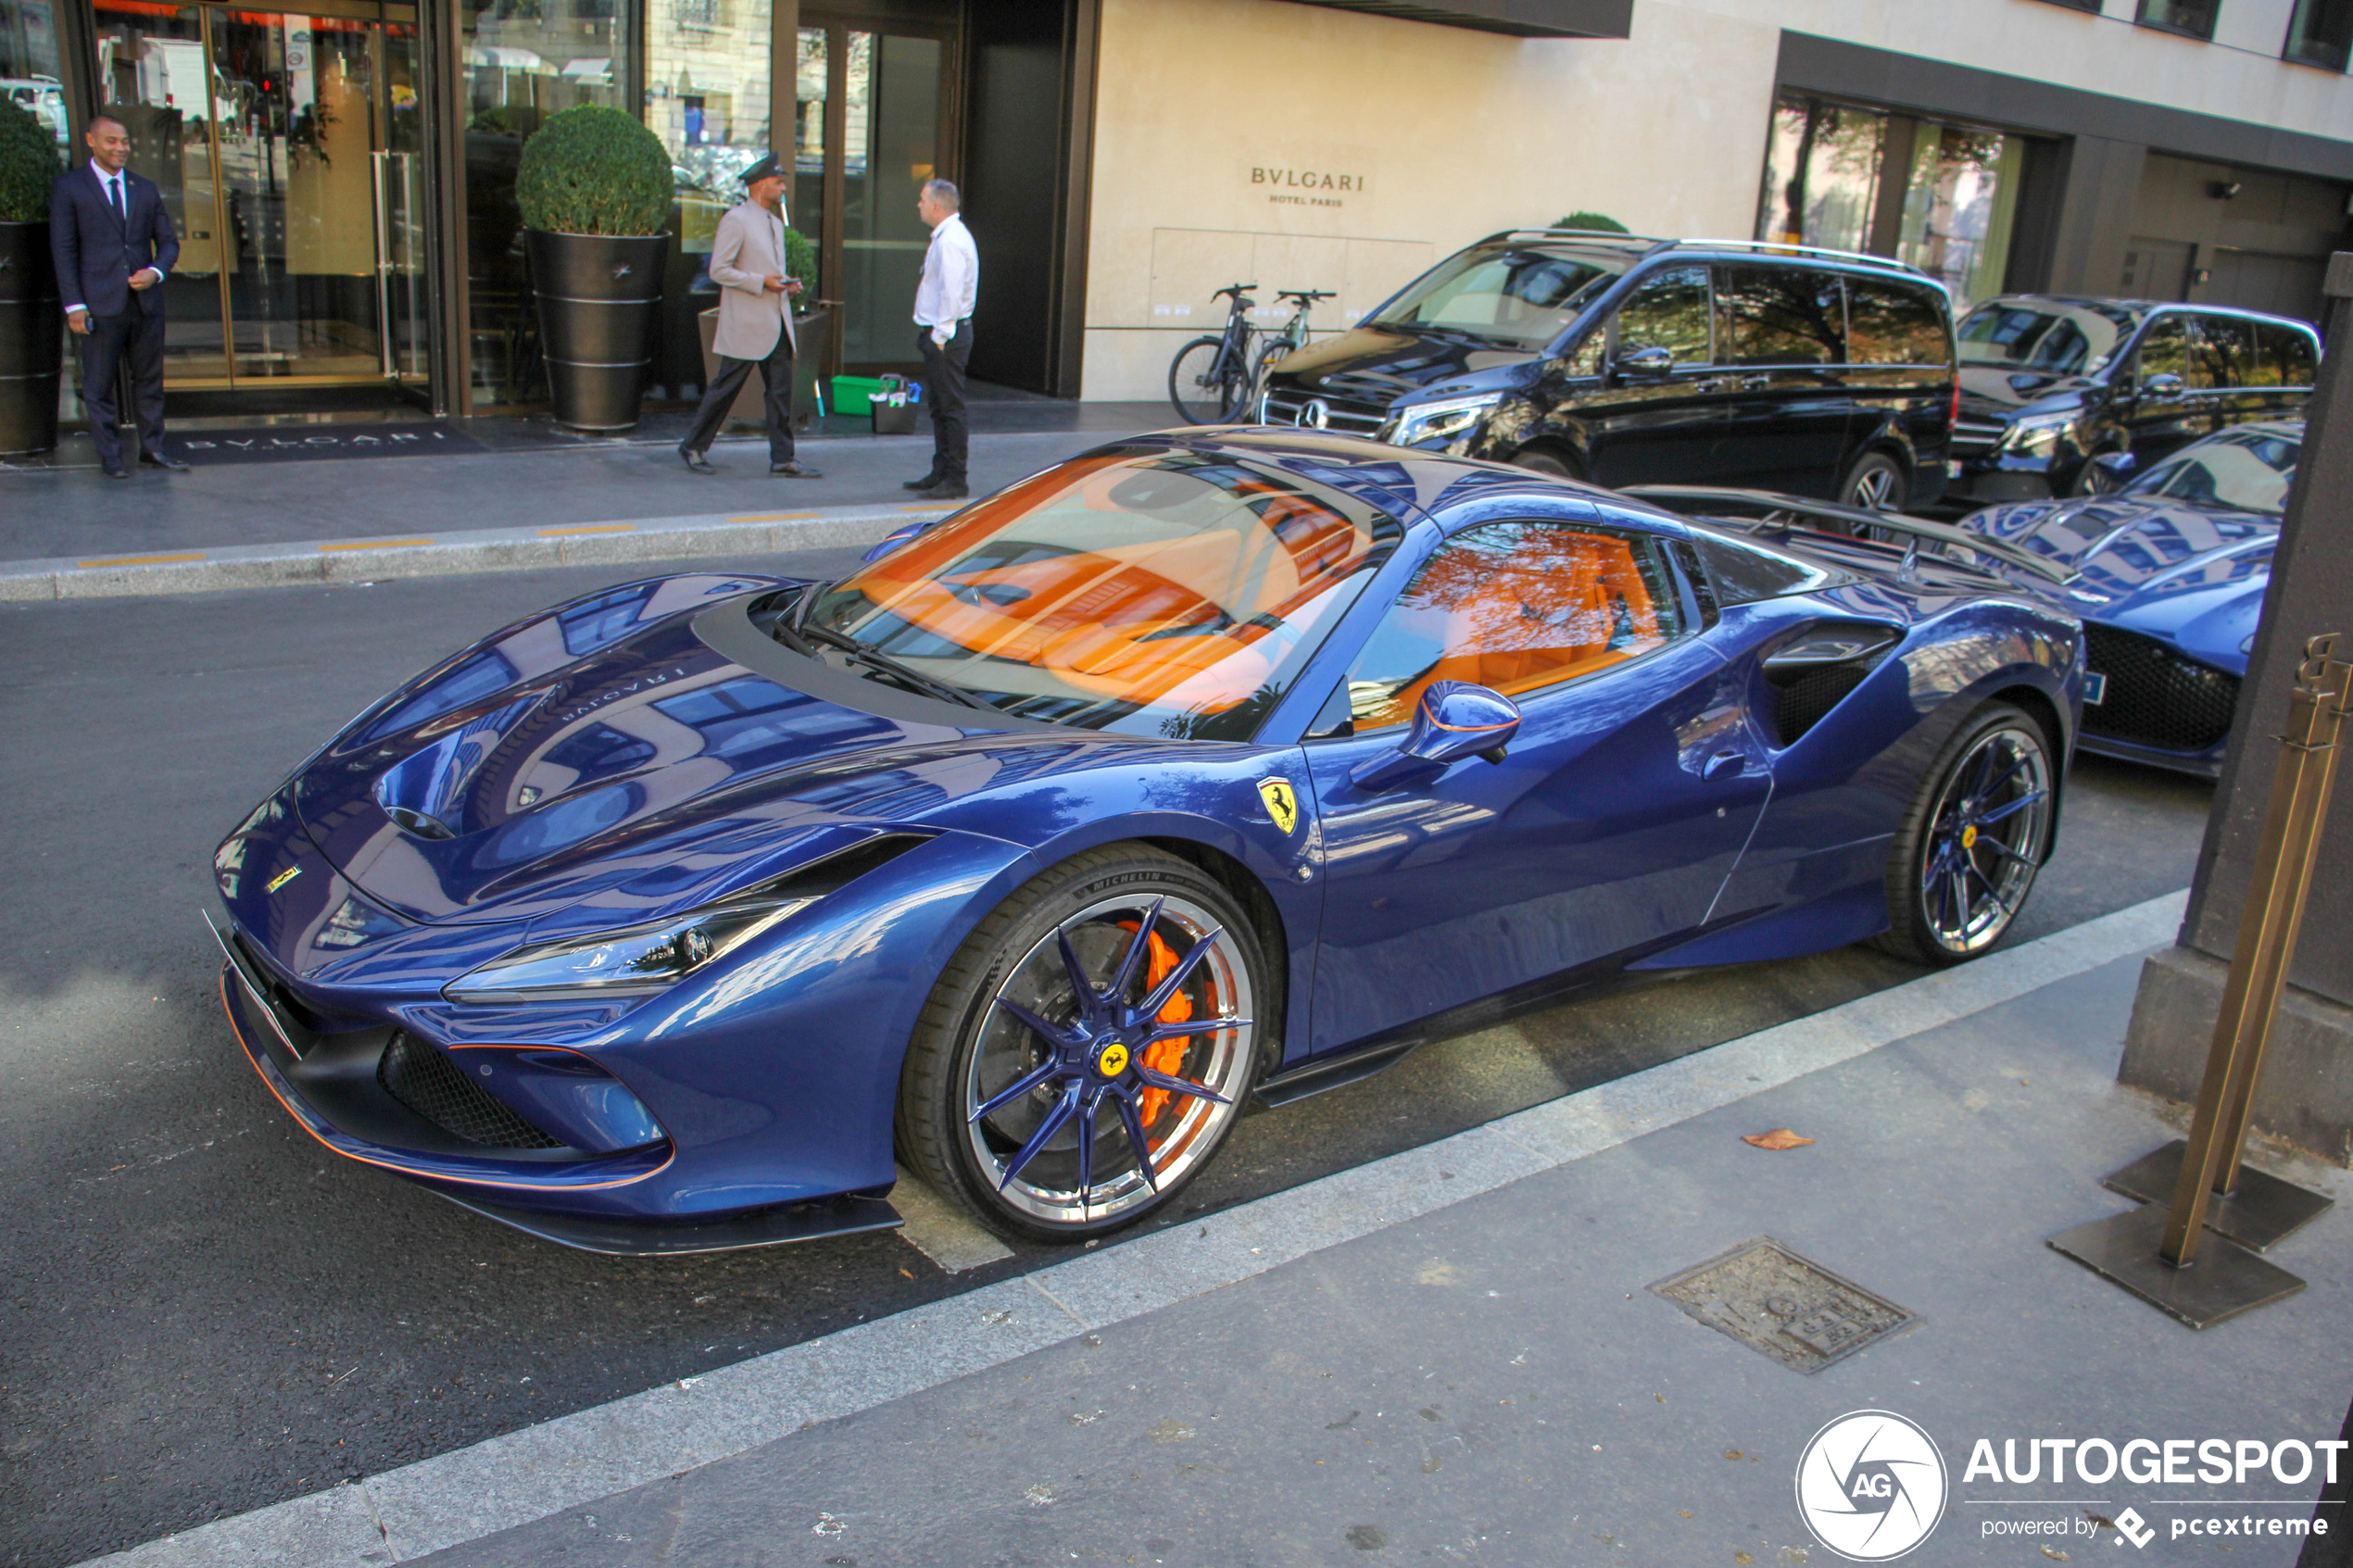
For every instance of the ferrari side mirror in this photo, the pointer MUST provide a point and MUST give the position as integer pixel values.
(1453, 719)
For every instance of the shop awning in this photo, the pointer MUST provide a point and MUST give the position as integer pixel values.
(1521, 19)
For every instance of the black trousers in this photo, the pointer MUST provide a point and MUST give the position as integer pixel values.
(138, 337)
(720, 395)
(944, 390)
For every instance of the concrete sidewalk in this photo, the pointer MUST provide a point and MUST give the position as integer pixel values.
(1453, 1354)
(57, 515)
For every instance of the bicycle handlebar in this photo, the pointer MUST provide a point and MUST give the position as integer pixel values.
(1238, 290)
(1305, 297)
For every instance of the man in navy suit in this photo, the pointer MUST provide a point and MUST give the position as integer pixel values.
(112, 242)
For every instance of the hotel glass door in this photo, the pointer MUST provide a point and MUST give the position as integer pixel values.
(875, 118)
(289, 152)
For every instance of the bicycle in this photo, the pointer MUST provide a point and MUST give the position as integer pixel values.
(1292, 338)
(1211, 378)
(1214, 380)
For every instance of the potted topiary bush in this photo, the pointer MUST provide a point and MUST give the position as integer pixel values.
(1592, 222)
(31, 330)
(595, 190)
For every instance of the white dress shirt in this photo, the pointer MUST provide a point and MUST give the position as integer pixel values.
(951, 281)
(117, 192)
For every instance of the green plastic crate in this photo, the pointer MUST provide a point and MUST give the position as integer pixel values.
(855, 394)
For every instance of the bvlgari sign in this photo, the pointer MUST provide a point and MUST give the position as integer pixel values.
(1306, 187)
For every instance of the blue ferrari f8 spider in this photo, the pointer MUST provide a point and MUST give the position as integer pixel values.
(1206, 767)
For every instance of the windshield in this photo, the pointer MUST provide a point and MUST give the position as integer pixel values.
(2046, 338)
(2244, 471)
(1172, 593)
(1515, 296)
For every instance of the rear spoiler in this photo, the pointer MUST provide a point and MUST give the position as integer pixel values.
(1762, 506)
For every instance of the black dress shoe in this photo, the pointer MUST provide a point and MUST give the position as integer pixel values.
(160, 461)
(696, 460)
(923, 483)
(945, 490)
(114, 471)
(795, 470)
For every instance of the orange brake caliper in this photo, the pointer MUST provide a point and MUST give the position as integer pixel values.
(1168, 1055)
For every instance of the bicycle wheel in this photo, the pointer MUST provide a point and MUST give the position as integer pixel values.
(1205, 386)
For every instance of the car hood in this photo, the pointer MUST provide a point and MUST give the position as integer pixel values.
(646, 776)
(1379, 365)
(2190, 575)
(1990, 392)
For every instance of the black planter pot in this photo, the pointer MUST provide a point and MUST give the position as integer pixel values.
(31, 341)
(599, 294)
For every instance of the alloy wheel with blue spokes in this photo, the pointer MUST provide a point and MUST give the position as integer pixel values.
(1987, 832)
(1111, 1059)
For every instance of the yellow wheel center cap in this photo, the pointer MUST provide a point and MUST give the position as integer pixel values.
(1968, 837)
(1113, 1061)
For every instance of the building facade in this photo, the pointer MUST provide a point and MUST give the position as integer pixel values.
(344, 178)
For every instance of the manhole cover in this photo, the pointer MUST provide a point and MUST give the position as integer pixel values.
(1771, 1300)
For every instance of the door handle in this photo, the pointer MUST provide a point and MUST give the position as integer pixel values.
(1724, 765)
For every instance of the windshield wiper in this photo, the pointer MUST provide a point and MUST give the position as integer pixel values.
(881, 662)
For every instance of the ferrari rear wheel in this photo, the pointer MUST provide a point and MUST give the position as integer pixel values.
(1967, 851)
(1088, 1050)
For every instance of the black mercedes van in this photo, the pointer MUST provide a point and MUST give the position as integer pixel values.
(1627, 361)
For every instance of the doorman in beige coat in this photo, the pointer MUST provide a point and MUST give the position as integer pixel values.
(755, 323)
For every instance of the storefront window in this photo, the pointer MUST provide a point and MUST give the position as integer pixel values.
(524, 61)
(1821, 174)
(2193, 17)
(28, 74)
(2320, 33)
(806, 202)
(1958, 205)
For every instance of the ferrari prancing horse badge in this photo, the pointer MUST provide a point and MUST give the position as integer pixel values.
(1281, 804)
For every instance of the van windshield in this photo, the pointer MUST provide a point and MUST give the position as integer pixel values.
(2073, 338)
(1510, 294)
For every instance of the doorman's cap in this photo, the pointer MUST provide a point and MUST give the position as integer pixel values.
(766, 168)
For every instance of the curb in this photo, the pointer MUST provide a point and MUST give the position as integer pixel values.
(314, 562)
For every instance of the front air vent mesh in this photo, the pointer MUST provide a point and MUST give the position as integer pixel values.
(427, 1082)
(2155, 697)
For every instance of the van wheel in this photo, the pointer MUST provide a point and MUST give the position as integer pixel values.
(1543, 463)
(1875, 484)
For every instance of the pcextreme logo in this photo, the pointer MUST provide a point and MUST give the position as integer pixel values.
(1870, 1485)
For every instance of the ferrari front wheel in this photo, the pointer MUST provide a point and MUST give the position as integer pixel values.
(1967, 853)
(1088, 1050)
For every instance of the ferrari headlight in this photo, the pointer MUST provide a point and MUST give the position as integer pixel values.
(2034, 435)
(1440, 421)
(635, 961)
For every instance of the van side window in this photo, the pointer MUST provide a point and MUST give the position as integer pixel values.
(1585, 358)
(1779, 316)
(1669, 310)
(2165, 351)
(2288, 357)
(2225, 352)
(1889, 324)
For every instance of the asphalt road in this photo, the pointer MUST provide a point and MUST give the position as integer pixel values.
(201, 1313)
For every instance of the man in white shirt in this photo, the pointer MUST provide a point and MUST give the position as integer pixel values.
(944, 332)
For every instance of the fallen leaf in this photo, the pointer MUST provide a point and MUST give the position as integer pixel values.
(1733, 1453)
(1742, 1559)
(2054, 1556)
(1682, 1513)
(1779, 1137)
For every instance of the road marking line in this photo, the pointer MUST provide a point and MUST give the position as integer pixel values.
(586, 1456)
(143, 560)
(775, 516)
(940, 1231)
(592, 528)
(376, 544)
